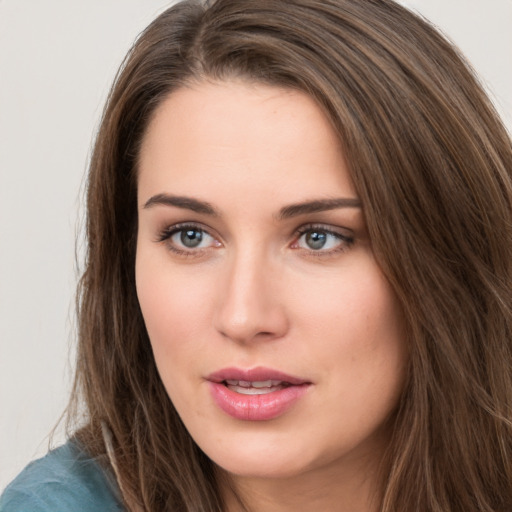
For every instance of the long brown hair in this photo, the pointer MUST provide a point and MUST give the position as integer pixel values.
(432, 165)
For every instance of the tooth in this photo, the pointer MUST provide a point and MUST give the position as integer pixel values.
(242, 383)
(254, 391)
(262, 384)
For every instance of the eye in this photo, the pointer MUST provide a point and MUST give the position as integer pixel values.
(187, 238)
(191, 238)
(321, 239)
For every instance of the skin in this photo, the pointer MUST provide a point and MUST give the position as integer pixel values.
(257, 292)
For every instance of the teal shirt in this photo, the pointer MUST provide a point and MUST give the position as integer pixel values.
(66, 480)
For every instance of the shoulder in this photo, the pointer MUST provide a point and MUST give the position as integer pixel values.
(65, 479)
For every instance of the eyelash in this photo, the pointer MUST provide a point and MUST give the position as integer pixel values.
(345, 241)
(166, 235)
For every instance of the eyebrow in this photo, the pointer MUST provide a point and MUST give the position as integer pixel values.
(287, 212)
(187, 203)
(318, 205)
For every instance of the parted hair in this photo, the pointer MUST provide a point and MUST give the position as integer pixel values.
(432, 166)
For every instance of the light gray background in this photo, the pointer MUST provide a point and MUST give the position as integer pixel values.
(57, 60)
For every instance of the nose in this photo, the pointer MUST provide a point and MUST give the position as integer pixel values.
(249, 306)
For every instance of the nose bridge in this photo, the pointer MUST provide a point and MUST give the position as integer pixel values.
(249, 305)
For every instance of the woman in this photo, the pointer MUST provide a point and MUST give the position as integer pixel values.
(297, 291)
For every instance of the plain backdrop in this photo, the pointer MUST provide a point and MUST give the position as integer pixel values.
(57, 61)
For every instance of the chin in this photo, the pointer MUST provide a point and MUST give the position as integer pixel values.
(265, 460)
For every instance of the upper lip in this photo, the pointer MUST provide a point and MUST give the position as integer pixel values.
(257, 374)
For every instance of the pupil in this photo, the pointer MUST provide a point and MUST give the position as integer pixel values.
(316, 239)
(191, 237)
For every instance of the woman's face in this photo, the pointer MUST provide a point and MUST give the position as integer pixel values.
(278, 339)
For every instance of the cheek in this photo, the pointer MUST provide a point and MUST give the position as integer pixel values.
(361, 353)
(356, 324)
(173, 305)
(356, 305)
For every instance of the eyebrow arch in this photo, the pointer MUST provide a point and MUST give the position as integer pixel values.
(318, 205)
(187, 203)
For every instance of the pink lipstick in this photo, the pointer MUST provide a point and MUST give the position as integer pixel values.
(257, 394)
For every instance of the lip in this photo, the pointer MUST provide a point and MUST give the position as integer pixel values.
(259, 407)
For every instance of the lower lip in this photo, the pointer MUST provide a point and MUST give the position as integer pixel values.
(256, 407)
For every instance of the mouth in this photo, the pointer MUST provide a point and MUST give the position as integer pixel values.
(255, 394)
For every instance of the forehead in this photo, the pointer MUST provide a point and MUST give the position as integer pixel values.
(251, 139)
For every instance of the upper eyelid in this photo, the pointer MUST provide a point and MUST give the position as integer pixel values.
(179, 226)
(328, 228)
